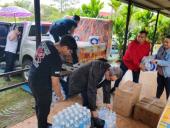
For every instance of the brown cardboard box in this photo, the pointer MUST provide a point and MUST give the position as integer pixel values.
(149, 110)
(126, 97)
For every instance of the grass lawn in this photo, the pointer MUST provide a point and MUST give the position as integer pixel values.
(15, 104)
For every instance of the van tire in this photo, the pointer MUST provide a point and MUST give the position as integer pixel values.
(26, 64)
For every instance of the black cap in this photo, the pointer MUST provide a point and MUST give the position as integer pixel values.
(76, 18)
(69, 41)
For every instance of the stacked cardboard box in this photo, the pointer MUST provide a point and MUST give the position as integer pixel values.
(149, 110)
(126, 96)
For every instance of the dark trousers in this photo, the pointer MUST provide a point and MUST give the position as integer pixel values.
(10, 61)
(163, 83)
(124, 69)
(42, 104)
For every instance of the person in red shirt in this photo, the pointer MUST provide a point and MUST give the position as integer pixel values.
(136, 50)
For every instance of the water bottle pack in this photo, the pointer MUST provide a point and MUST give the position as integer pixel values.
(55, 98)
(148, 65)
(108, 116)
(75, 116)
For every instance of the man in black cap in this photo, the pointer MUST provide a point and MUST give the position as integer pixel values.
(43, 76)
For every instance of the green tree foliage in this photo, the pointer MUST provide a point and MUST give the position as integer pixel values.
(163, 28)
(140, 20)
(66, 5)
(92, 9)
(115, 4)
(49, 13)
(24, 4)
(119, 22)
(143, 20)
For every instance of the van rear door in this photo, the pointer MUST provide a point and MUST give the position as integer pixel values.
(4, 29)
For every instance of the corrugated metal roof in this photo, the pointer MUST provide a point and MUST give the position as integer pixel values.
(156, 5)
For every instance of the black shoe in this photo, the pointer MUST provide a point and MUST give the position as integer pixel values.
(49, 125)
(97, 122)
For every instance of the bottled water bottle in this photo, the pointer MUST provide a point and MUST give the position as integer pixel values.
(108, 116)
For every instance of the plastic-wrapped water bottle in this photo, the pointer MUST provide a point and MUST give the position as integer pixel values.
(55, 98)
(74, 116)
(76, 122)
(147, 62)
(108, 116)
(86, 119)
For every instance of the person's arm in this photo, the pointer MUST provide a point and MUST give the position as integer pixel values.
(93, 77)
(92, 89)
(163, 63)
(56, 87)
(55, 64)
(12, 36)
(106, 91)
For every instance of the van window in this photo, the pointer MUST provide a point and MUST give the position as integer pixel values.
(44, 30)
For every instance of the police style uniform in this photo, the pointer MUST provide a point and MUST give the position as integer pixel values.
(47, 63)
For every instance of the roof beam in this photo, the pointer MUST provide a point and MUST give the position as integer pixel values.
(157, 4)
(147, 7)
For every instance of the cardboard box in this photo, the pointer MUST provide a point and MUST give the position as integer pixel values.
(126, 96)
(148, 111)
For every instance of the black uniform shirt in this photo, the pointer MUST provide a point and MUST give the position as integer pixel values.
(47, 63)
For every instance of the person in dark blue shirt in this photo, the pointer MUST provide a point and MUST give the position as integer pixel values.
(64, 26)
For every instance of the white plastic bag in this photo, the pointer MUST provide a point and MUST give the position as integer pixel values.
(127, 77)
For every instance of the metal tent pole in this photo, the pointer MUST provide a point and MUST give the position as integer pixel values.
(127, 25)
(154, 35)
(37, 21)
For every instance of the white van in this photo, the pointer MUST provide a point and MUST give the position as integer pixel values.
(27, 43)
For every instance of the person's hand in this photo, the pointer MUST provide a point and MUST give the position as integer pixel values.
(142, 67)
(94, 114)
(109, 106)
(154, 61)
(61, 98)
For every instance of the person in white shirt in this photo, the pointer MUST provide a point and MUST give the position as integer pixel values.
(11, 49)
